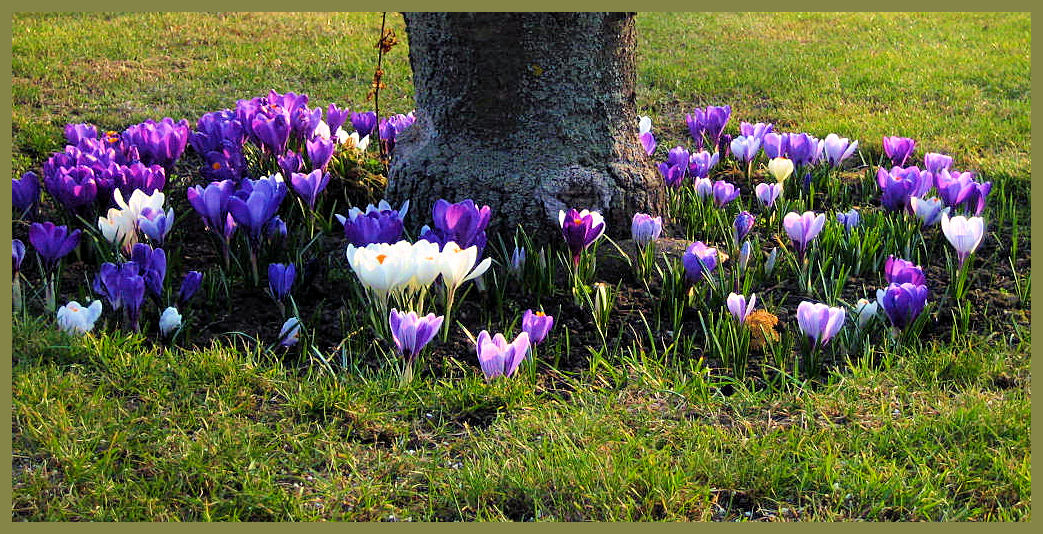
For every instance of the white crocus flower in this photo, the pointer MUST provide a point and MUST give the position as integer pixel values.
(458, 265)
(644, 125)
(381, 267)
(964, 233)
(169, 321)
(427, 265)
(119, 227)
(323, 130)
(78, 320)
(352, 139)
(866, 310)
(780, 168)
(138, 201)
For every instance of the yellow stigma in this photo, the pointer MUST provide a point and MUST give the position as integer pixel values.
(381, 258)
(216, 165)
(540, 314)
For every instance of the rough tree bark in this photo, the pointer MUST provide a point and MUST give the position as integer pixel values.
(529, 113)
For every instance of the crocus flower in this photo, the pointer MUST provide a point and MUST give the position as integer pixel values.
(768, 193)
(77, 320)
(124, 287)
(965, 234)
(156, 224)
(648, 142)
(17, 255)
(304, 121)
(899, 271)
(499, 358)
(850, 219)
(290, 163)
(458, 265)
(756, 131)
(866, 311)
(819, 321)
(644, 228)
(975, 203)
(743, 225)
(189, 285)
(580, 229)
(412, 332)
(280, 279)
(780, 168)
(119, 227)
(902, 303)
(744, 255)
(517, 264)
(678, 156)
(256, 203)
(934, 162)
(898, 149)
(804, 149)
(708, 123)
(153, 266)
(75, 132)
(290, 333)
(308, 186)
(745, 148)
(703, 187)
(148, 179)
(776, 145)
(364, 123)
(536, 325)
(738, 306)
(672, 176)
(899, 185)
(73, 187)
(378, 224)
(954, 187)
(320, 151)
(803, 228)
(25, 192)
(169, 321)
(272, 131)
(837, 149)
(462, 223)
(159, 143)
(769, 264)
(353, 140)
(644, 124)
(929, 210)
(52, 243)
(211, 203)
(724, 192)
(700, 163)
(336, 117)
(382, 267)
(699, 260)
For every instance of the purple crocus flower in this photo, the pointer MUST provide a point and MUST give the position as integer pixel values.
(387, 134)
(308, 186)
(837, 149)
(75, 132)
(280, 279)
(320, 151)
(517, 264)
(73, 187)
(462, 223)
(272, 131)
(745, 148)
(648, 142)
(803, 228)
(898, 149)
(928, 210)
(976, 200)
(189, 285)
(412, 332)
(211, 203)
(703, 187)
(378, 224)
(776, 145)
(708, 123)
(364, 123)
(52, 243)
(819, 322)
(934, 162)
(804, 149)
(743, 225)
(336, 117)
(256, 203)
(850, 219)
(767, 193)
(148, 179)
(275, 230)
(124, 287)
(580, 229)
(899, 271)
(159, 143)
(499, 358)
(672, 176)
(217, 131)
(755, 131)
(17, 255)
(303, 122)
(153, 266)
(290, 162)
(536, 325)
(155, 224)
(954, 187)
(899, 185)
(724, 192)
(644, 228)
(25, 192)
(739, 308)
(678, 156)
(699, 260)
(902, 303)
(700, 163)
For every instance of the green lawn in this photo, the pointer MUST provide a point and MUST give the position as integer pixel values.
(112, 428)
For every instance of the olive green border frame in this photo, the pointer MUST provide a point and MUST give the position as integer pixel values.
(454, 5)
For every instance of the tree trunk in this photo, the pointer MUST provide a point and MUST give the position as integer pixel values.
(529, 113)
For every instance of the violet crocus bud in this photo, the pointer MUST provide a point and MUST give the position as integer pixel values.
(189, 285)
(898, 149)
(769, 264)
(308, 186)
(739, 307)
(517, 265)
(928, 210)
(724, 192)
(902, 303)
(537, 325)
(290, 333)
(819, 322)
(964, 234)
(280, 280)
(498, 357)
(290, 163)
(336, 117)
(803, 228)
(768, 193)
(837, 149)
(644, 228)
(699, 260)
(701, 162)
(744, 256)
(745, 149)
(743, 225)
(849, 219)
(320, 151)
(412, 332)
(25, 192)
